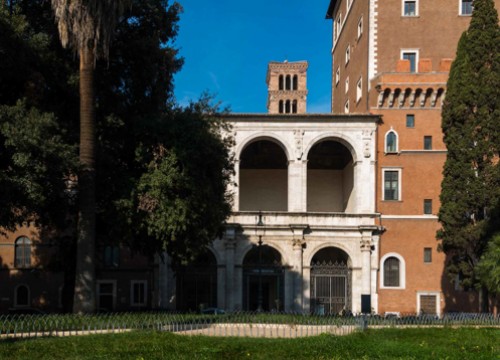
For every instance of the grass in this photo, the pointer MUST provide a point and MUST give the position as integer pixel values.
(444, 343)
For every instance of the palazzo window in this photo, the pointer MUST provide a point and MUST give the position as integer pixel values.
(466, 7)
(337, 76)
(360, 27)
(287, 107)
(428, 206)
(391, 185)
(410, 8)
(23, 252)
(111, 256)
(427, 255)
(393, 271)
(412, 57)
(138, 293)
(346, 107)
(347, 54)
(294, 107)
(391, 142)
(346, 85)
(410, 121)
(281, 107)
(427, 142)
(359, 89)
(281, 82)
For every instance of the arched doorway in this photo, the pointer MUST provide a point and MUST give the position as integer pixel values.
(330, 178)
(263, 183)
(263, 281)
(331, 282)
(197, 283)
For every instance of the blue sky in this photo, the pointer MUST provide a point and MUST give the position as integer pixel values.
(227, 45)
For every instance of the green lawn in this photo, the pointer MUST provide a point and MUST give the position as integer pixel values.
(447, 343)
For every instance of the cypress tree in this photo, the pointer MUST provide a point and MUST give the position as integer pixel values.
(470, 119)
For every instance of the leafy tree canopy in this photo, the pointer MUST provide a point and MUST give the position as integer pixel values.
(162, 169)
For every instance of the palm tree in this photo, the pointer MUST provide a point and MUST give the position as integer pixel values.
(87, 26)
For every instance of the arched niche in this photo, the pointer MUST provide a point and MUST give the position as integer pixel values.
(330, 177)
(263, 182)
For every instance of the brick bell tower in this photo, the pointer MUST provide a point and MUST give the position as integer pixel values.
(287, 87)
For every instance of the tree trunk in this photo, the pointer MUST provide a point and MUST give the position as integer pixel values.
(85, 284)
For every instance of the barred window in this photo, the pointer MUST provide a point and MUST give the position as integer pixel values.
(391, 272)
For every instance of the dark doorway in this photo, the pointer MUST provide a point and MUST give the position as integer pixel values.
(263, 280)
(197, 283)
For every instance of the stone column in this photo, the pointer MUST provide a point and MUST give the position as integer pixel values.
(233, 188)
(366, 265)
(298, 276)
(296, 182)
(230, 281)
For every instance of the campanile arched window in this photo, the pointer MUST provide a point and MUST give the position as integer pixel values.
(294, 107)
(281, 82)
(288, 85)
(281, 107)
(295, 82)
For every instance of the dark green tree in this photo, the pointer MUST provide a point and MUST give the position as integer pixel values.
(471, 182)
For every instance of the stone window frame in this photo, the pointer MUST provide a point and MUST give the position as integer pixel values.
(113, 294)
(402, 272)
(430, 293)
(386, 145)
(346, 107)
(417, 57)
(360, 27)
(337, 76)
(132, 292)
(400, 185)
(461, 8)
(346, 87)
(347, 54)
(403, 8)
(359, 89)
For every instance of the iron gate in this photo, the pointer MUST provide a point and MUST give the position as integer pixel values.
(330, 288)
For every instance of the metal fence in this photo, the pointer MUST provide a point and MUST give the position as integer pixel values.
(283, 325)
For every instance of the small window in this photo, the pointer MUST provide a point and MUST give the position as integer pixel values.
(346, 107)
(428, 304)
(359, 89)
(410, 8)
(288, 85)
(360, 27)
(428, 206)
(294, 107)
(410, 120)
(337, 76)
(466, 7)
(427, 255)
(111, 256)
(391, 185)
(391, 272)
(295, 82)
(22, 252)
(281, 82)
(391, 142)
(347, 85)
(412, 57)
(347, 54)
(138, 293)
(339, 24)
(281, 107)
(287, 107)
(427, 142)
(106, 295)
(22, 296)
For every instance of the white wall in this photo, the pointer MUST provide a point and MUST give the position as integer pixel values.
(263, 189)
